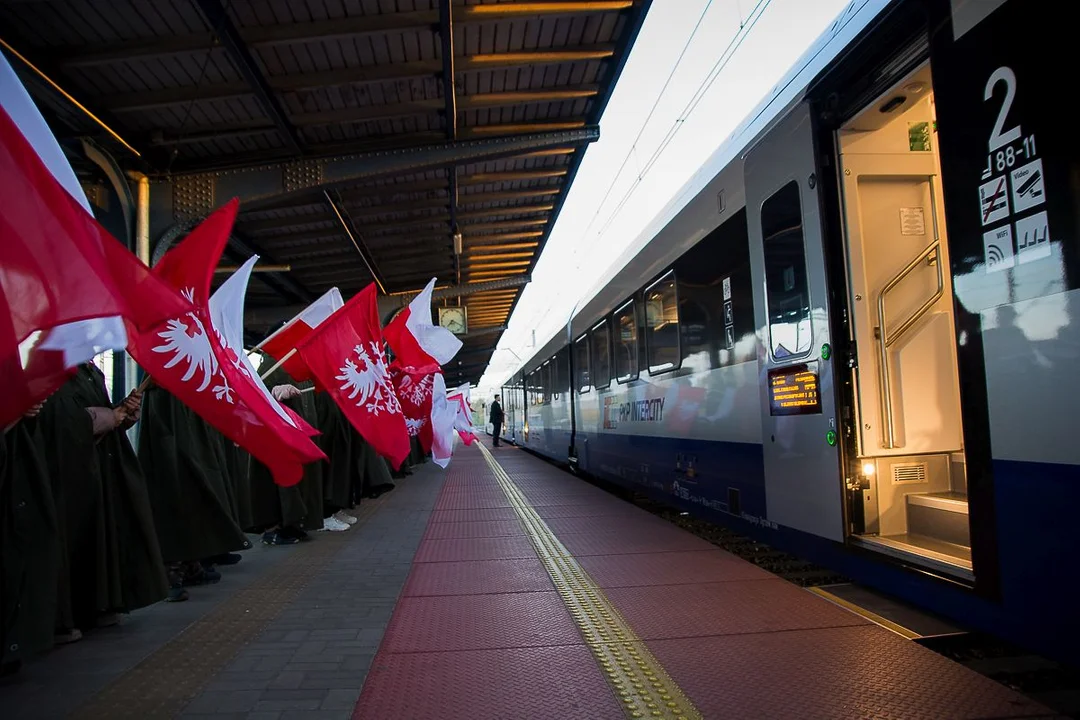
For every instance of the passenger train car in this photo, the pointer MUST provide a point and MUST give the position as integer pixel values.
(852, 333)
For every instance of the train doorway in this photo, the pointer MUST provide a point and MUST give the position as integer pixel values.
(907, 481)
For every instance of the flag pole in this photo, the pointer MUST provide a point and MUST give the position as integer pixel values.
(279, 363)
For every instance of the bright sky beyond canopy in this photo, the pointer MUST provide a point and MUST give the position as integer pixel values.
(605, 209)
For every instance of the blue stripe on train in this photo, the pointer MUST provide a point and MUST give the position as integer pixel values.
(1036, 503)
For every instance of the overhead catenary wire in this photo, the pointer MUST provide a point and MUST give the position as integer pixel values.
(729, 52)
(745, 28)
(633, 146)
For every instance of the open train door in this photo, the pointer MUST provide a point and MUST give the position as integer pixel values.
(803, 482)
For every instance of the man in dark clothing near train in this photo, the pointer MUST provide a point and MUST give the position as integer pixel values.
(496, 421)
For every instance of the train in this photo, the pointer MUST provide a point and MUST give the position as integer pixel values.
(851, 333)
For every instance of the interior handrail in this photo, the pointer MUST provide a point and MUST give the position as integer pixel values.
(885, 339)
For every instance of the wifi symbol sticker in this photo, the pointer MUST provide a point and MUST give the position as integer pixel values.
(998, 249)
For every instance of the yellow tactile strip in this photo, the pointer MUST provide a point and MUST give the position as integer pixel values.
(639, 681)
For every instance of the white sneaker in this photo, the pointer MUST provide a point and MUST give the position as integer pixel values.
(342, 516)
(334, 525)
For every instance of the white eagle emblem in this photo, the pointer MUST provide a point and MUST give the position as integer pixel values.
(414, 425)
(369, 380)
(186, 338)
(416, 392)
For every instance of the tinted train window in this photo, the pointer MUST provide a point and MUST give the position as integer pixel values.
(716, 298)
(626, 343)
(662, 324)
(787, 291)
(601, 354)
(581, 363)
(545, 381)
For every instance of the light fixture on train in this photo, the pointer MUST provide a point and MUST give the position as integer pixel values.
(892, 104)
(868, 469)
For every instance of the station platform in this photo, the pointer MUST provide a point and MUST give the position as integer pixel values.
(502, 588)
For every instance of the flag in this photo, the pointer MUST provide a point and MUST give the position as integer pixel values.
(79, 340)
(285, 339)
(227, 317)
(443, 414)
(187, 356)
(66, 283)
(416, 341)
(414, 391)
(463, 423)
(345, 355)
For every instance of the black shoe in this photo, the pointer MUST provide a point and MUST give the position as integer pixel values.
(10, 668)
(177, 594)
(203, 577)
(277, 537)
(295, 532)
(224, 559)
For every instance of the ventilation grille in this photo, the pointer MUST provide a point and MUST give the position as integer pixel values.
(909, 473)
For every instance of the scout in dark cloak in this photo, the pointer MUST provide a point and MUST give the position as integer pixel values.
(377, 476)
(110, 558)
(341, 474)
(188, 481)
(285, 514)
(29, 546)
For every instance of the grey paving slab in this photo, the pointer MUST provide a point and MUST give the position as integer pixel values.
(311, 662)
(55, 684)
(308, 661)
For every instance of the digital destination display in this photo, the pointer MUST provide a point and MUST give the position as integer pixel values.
(793, 390)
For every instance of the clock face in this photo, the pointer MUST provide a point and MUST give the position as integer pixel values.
(453, 319)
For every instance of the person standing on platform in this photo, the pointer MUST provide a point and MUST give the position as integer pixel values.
(284, 515)
(29, 546)
(189, 492)
(110, 560)
(496, 421)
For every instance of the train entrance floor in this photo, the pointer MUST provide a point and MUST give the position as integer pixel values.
(501, 588)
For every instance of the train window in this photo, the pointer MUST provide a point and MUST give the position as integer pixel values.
(787, 293)
(581, 363)
(626, 343)
(662, 324)
(716, 299)
(562, 369)
(545, 382)
(601, 354)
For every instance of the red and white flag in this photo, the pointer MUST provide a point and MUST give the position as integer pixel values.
(463, 423)
(417, 342)
(227, 317)
(287, 338)
(414, 391)
(443, 414)
(67, 284)
(80, 340)
(187, 356)
(345, 355)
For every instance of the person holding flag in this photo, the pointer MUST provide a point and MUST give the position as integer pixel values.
(71, 292)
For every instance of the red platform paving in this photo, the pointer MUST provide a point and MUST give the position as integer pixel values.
(480, 632)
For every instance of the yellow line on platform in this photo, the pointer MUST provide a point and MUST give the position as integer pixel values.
(641, 685)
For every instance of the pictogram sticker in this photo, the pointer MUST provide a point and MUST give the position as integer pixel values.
(993, 201)
(998, 249)
(1028, 189)
(1032, 238)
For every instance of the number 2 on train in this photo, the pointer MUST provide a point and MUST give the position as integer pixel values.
(999, 137)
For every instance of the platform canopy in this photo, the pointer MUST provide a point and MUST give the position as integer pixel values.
(362, 136)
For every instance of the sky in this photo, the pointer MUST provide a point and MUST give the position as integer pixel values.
(622, 185)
